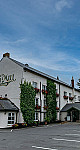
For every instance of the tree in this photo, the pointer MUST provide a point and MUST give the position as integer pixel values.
(51, 100)
(27, 102)
(78, 83)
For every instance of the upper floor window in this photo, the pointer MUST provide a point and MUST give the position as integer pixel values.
(44, 87)
(34, 84)
(44, 102)
(65, 93)
(36, 101)
(69, 94)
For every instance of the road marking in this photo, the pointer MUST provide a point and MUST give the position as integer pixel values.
(43, 148)
(73, 134)
(76, 130)
(66, 140)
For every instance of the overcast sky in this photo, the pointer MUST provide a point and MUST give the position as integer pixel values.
(43, 33)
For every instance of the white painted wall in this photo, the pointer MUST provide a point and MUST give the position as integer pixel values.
(63, 115)
(8, 67)
(4, 119)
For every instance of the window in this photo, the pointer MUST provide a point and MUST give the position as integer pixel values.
(65, 93)
(11, 118)
(78, 98)
(69, 94)
(56, 90)
(36, 116)
(36, 101)
(44, 87)
(44, 115)
(34, 84)
(44, 102)
(75, 97)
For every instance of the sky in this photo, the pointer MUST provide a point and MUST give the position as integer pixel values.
(44, 34)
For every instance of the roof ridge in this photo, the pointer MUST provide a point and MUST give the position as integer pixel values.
(41, 73)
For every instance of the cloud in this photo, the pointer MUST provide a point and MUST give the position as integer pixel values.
(59, 61)
(61, 4)
(15, 42)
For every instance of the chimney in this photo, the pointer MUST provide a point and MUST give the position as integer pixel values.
(57, 78)
(72, 82)
(6, 55)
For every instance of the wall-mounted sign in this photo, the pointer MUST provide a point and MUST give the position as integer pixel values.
(6, 79)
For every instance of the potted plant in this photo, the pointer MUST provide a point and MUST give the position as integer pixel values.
(47, 120)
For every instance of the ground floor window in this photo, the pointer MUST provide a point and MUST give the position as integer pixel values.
(44, 116)
(11, 118)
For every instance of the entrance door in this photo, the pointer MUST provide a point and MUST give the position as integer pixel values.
(75, 115)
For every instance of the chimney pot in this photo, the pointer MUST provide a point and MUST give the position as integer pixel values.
(6, 55)
(72, 82)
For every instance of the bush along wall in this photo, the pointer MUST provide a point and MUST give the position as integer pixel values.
(51, 101)
(27, 102)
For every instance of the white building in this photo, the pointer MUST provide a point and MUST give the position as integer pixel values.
(12, 73)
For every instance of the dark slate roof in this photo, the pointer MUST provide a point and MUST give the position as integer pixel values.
(69, 106)
(27, 67)
(7, 105)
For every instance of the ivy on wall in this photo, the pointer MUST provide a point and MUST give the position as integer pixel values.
(27, 102)
(51, 101)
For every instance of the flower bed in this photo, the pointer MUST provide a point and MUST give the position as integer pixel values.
(44, 91)
(65, 97)
(45, 107)
(57, 108)
(37, 90)
(57, 95)
(71, 98)
(38, 107)
(19, 125)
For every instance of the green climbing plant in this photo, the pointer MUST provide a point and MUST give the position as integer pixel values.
(51, 101)
(27, 102)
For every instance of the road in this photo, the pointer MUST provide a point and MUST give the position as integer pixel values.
(50, 137)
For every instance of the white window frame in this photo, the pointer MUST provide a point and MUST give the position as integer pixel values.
(34, 84)
(79, 98)
(44, 116)
(43, 87)
(36, 101)
(65, 93)
(70, 95)
(11, 116)
(36, 115)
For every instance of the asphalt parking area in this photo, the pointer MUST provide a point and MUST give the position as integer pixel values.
(51, 137)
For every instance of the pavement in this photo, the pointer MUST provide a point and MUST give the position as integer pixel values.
(62, 136)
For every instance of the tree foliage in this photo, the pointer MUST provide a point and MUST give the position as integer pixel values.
(27, 102)
(51, 101)
(78, 83)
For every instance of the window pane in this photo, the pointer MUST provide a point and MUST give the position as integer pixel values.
(9, 114)
(9, 122)
(35, 84)
(9, 118)
(12, 114)
(12, 118)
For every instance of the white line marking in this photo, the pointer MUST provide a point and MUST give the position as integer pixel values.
(66, 140)
(73, 134)
(76, 130)
(43, 148)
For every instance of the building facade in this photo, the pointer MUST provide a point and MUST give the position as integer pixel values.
(13, 72)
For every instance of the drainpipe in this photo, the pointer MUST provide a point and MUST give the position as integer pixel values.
(40, 101)
(59, 103)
